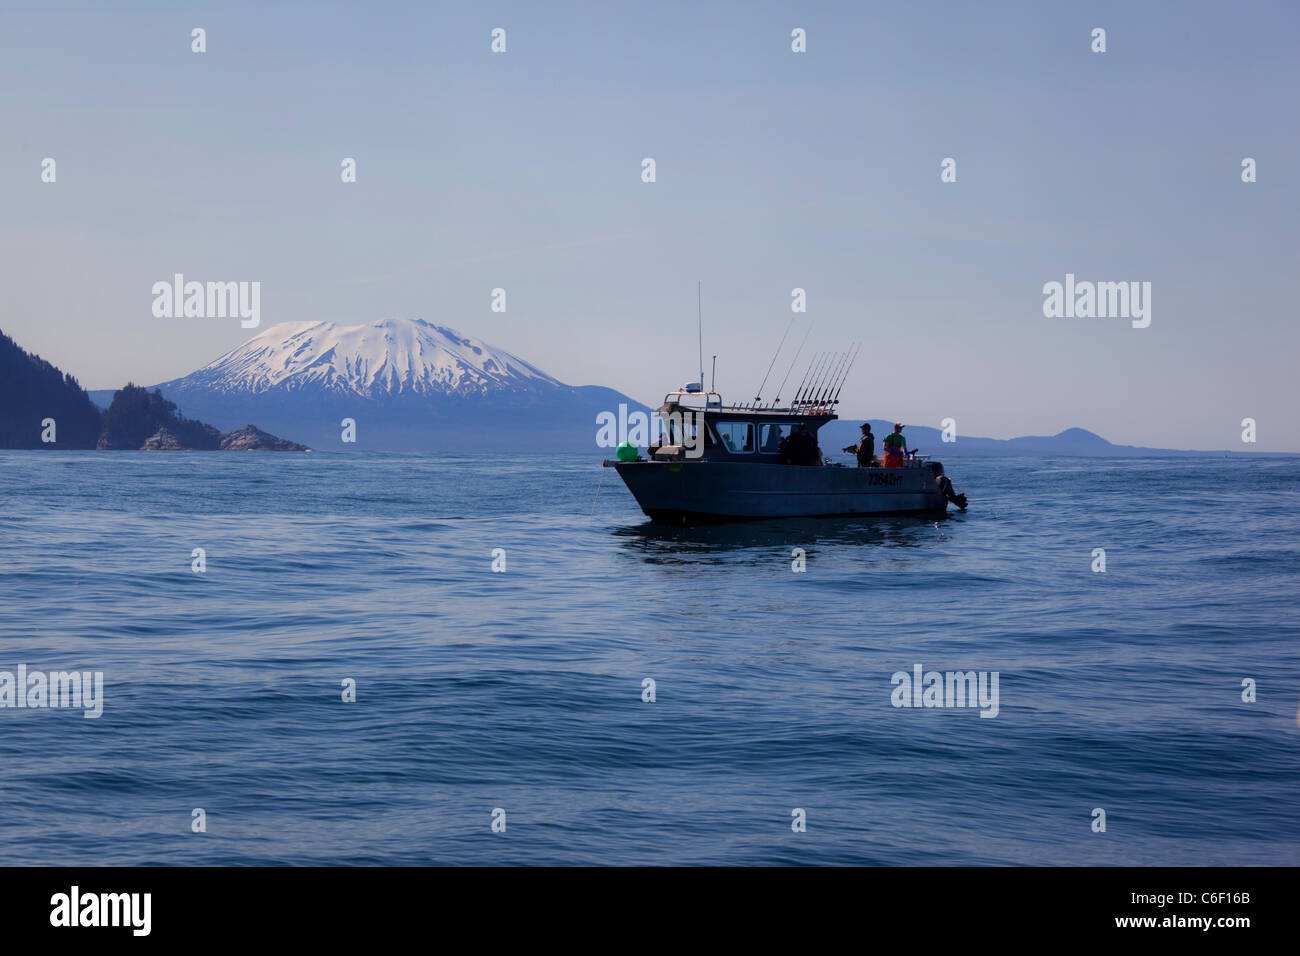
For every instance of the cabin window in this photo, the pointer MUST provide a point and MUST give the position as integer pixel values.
(770, 437)
(737, 436)
(681, 433)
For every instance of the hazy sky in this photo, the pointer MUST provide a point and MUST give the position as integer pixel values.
(775, 170)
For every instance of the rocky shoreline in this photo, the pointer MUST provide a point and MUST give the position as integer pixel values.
(248, 438)
(43, 407)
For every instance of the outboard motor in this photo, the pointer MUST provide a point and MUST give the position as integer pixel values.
(945, 485)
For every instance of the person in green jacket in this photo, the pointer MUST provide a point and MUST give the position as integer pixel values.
(895, 447)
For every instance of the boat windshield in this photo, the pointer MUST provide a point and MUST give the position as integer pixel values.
(736, 436)
(679, 432)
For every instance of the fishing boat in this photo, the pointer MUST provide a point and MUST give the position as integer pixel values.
(719, 462)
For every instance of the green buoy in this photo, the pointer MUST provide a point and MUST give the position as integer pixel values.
(626, 452)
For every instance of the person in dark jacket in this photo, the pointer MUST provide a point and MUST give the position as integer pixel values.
(866, 448)
(800, 448)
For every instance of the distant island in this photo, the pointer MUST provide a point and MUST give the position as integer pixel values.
(1070, 443)
(43, 407)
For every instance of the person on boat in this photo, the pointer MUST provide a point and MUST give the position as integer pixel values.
(812, 453)
(866, 448)
(800, 448)
(895, 447)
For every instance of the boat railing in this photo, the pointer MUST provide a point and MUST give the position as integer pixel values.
(712, 400)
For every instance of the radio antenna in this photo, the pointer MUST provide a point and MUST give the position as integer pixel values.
(699, 312)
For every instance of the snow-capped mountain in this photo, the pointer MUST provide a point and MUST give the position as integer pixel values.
(405, 384)
(391, 357)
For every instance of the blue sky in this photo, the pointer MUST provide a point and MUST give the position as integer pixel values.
(775, 170)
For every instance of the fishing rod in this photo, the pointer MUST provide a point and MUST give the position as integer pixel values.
(804, 381)
(853, 358)
(836, 398)
(792, 361)
(835, 377)
(822, 359)
(821, 381)
(826, 385)
(839, 376)
(759, 396)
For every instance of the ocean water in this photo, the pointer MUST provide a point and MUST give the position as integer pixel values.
(522, 690)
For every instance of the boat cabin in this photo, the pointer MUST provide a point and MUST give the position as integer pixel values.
(732, 432)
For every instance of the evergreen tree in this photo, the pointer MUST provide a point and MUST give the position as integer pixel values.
(137, 413)
(32, 390)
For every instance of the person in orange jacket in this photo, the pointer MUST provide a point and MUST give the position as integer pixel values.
(895, 447)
